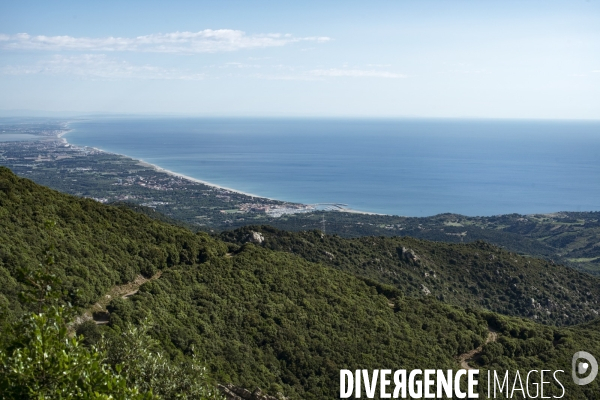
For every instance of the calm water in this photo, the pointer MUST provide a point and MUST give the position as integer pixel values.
(404, 167)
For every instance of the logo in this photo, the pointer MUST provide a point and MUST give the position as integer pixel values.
(582, 367)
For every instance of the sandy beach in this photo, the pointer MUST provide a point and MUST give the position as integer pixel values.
(189, 178)
(166, 171)
(203, 182)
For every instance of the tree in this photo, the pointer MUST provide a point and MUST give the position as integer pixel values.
(43, 362)
(145, 366)
(42, 359)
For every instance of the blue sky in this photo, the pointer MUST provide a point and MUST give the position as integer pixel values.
(481, 59)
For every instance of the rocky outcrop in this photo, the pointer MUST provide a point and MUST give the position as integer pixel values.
(237, 393)
(409, 255)
(256, 237)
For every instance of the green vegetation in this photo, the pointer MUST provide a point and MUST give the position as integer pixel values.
(41, 359)
(96, 246)
(272, 320)
(550, 236)
(144, 364)
(476, 275)
(525, 346)
(43, 362)
(269, 319)
(257, 316)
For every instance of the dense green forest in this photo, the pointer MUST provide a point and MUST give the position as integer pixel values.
(272, 320)
(570, 238)
(471, 274)
(262, 317)
(97, 246)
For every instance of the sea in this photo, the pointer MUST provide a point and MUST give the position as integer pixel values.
(408, 167)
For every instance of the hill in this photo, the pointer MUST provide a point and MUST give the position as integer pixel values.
(97, 246)
(477, 274)
(257, 316)
(270, 319)
(569, 238)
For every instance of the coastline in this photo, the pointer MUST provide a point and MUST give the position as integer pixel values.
(163, 170)
(158, 168)
(189, 178)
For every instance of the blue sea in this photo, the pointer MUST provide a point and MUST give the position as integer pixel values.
(410, 167)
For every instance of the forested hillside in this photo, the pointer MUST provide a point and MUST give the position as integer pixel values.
(262, 317)
(272, 320)
(97, 246)
(475, 274)
(571, 238)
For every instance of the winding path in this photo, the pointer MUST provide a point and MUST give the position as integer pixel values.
(123, 291)
(463, 358)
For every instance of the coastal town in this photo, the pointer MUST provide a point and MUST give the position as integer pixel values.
(39, 151)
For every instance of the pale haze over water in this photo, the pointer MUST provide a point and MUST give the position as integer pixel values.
(403, 167)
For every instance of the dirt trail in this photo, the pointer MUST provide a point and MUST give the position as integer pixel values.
(123, 291)
(463, 358)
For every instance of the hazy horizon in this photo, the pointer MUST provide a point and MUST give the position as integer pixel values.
(429, 59)
(76, 116)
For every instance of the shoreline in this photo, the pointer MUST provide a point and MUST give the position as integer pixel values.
(61, 136)
(189, 178)
(161, 169)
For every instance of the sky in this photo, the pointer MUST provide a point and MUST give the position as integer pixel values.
(443, 59)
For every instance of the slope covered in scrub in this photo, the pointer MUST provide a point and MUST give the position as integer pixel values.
(285, 322)
(474, 274)
(97, 246)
